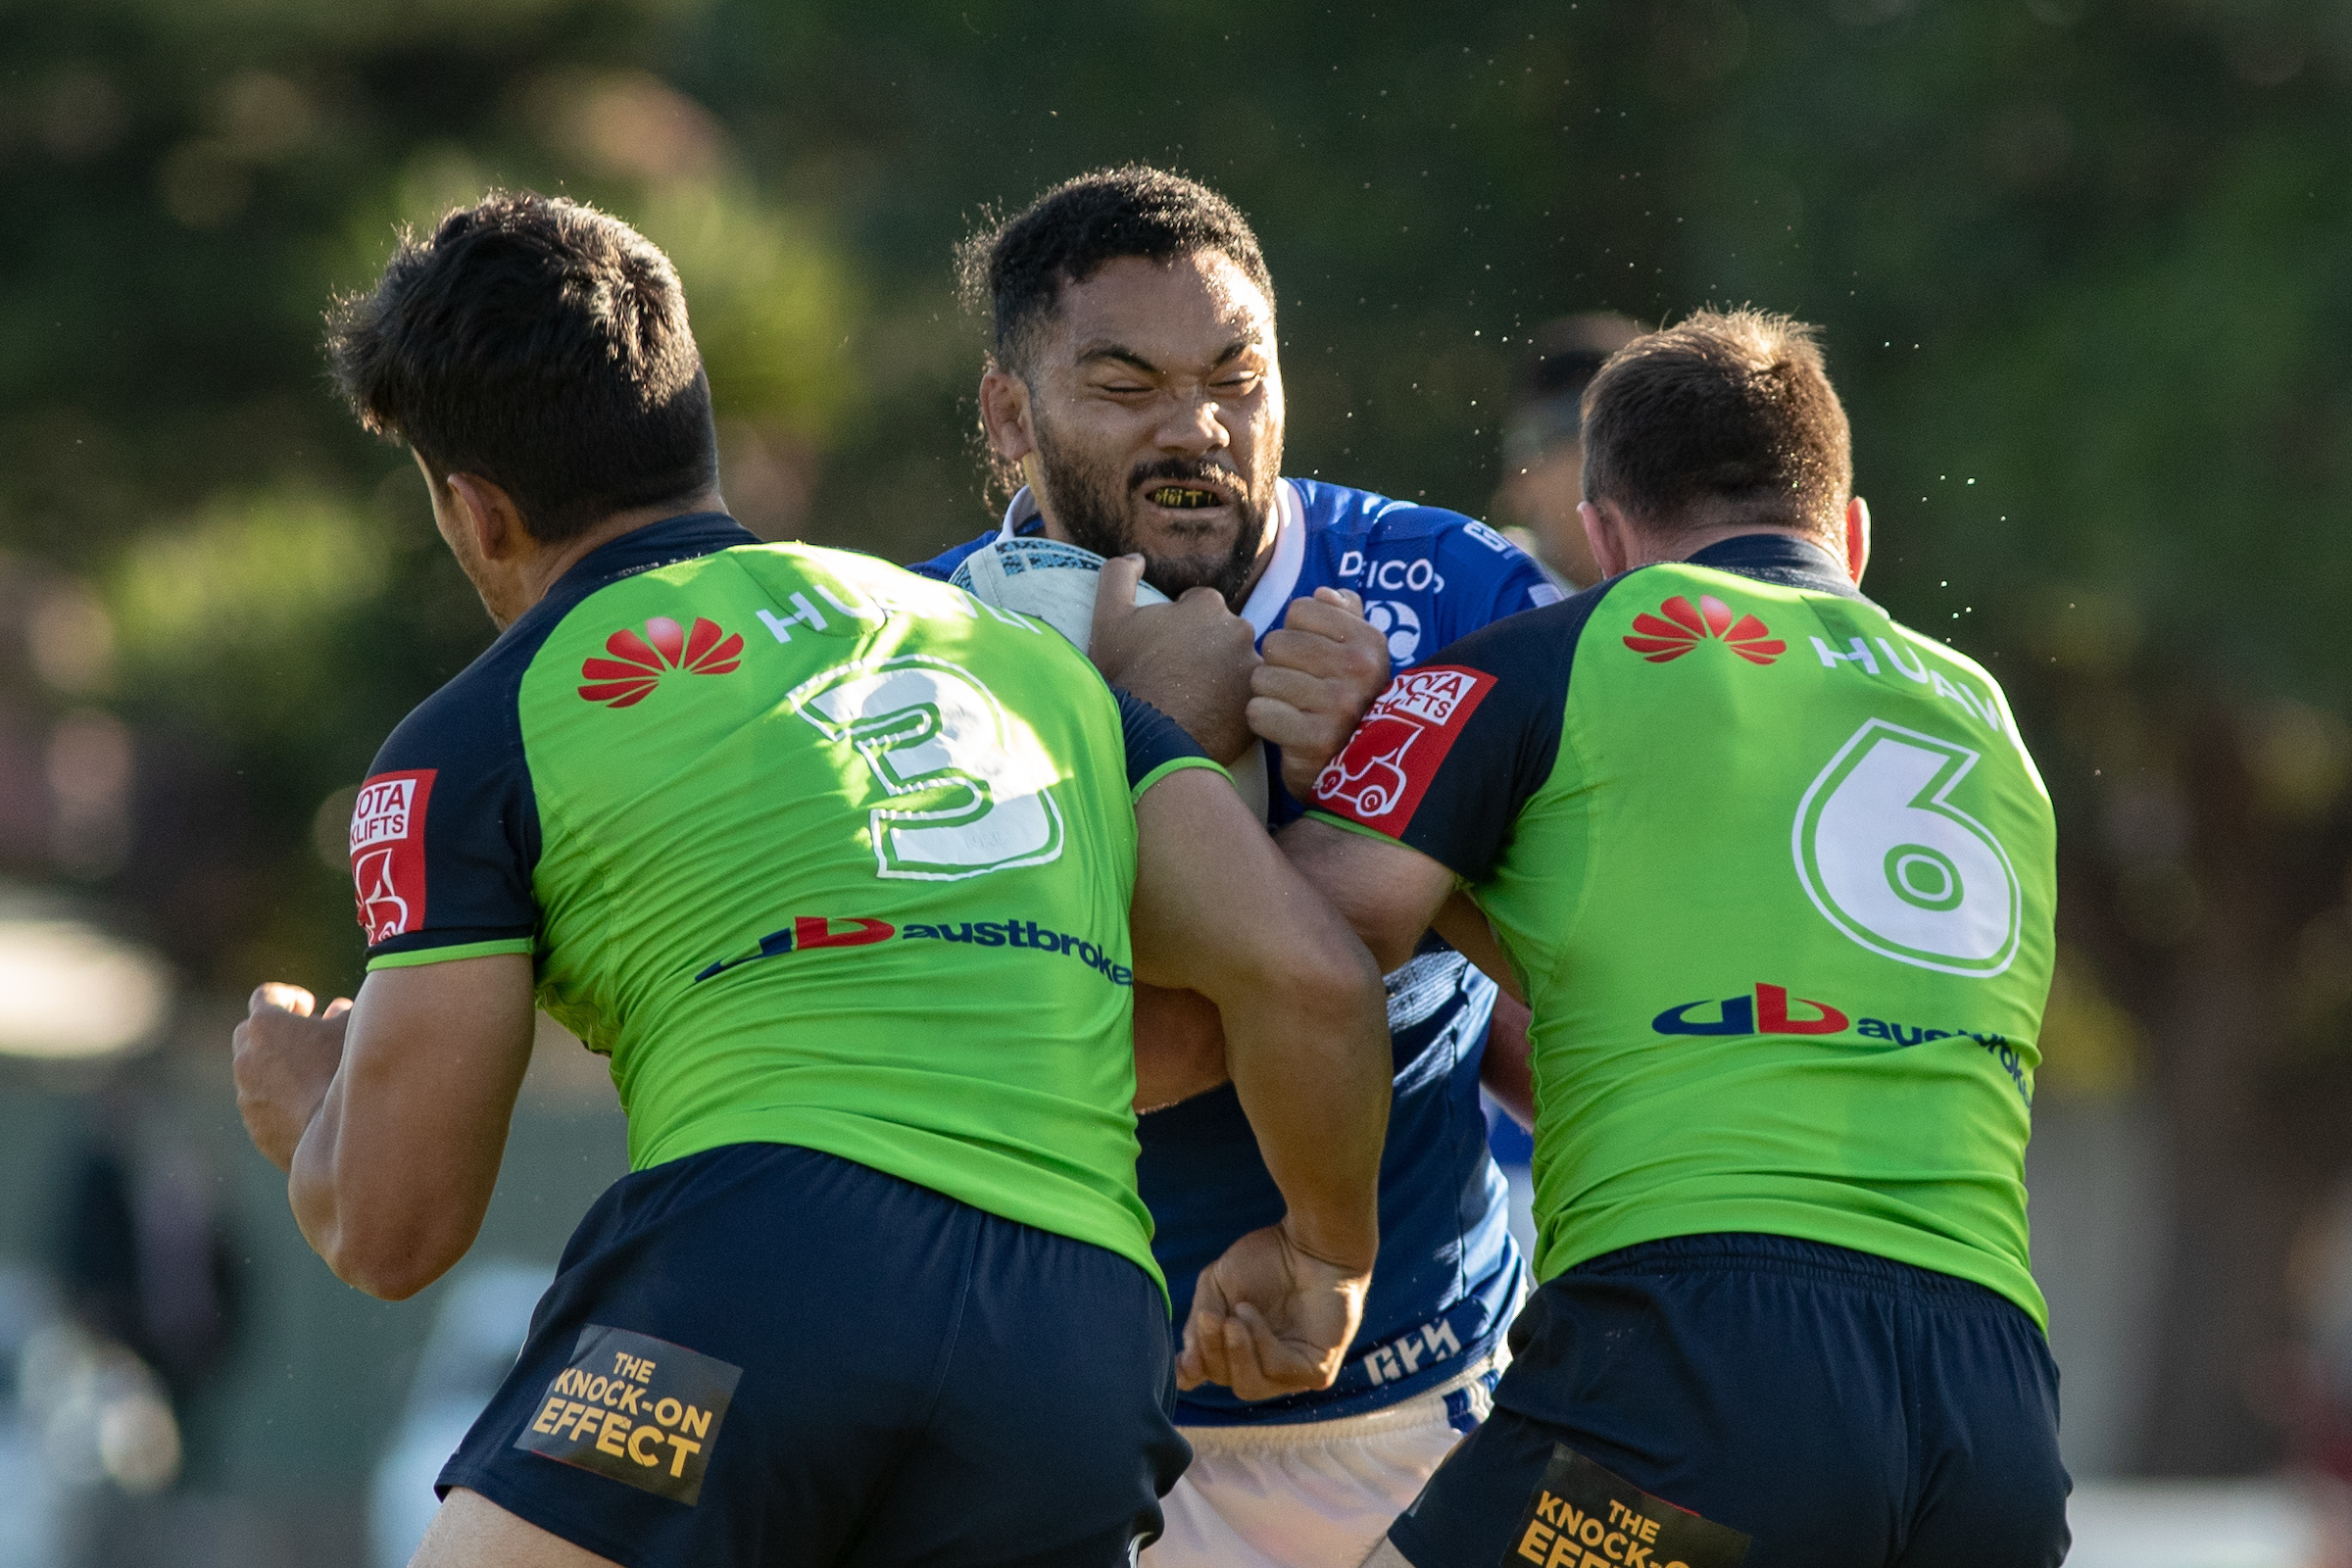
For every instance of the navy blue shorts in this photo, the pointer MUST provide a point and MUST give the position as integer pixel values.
(763, 1354)
(1841, 1410)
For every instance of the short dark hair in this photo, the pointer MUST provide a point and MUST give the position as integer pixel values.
(1015, 269)
(1726, 417)
(541, 344)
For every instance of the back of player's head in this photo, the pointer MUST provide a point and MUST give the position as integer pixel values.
(1726, 417)
(1018, 269)
(541, 344)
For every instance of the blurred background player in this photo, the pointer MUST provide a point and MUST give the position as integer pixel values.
(1779, 876)
(1135, 391)
(838, 869)
(1542, 450)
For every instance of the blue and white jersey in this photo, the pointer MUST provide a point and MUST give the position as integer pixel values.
(1448, 1273)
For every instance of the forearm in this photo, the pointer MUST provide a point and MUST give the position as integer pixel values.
(1178, 1047)
(386, 1220)
(1506, 1069)
(395, 1169)
(1309, 1058)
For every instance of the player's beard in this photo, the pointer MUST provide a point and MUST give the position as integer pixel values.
(1094, 505)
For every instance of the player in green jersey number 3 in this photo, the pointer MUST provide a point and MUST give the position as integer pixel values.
(1775, 875)
(853, 879)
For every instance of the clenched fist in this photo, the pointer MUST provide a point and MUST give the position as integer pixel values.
(1323, 667)
(1190, 660)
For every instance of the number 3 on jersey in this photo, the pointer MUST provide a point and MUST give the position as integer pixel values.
(1893, 863)
(969, 784)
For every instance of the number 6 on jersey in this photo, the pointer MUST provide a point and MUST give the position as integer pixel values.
(1895, 865)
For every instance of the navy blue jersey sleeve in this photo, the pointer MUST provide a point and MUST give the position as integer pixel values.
(1494, 577)
(445, 835)
(1156, 745)
(1455, 748)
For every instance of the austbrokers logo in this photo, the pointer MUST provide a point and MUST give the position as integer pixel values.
(823, 931)
(1686, 626)
(638, 663)
(1767, 1012)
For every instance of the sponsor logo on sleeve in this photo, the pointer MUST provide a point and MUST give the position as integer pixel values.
(387, 852)
(634, 1409)
(1390, 762)
(639, 662)
(1686, 625)
(1581, 1515)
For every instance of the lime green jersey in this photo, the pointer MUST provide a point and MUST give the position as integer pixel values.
(816, 851)
(1777, 875)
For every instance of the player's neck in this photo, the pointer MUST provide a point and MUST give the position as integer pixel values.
(532, 576)
(1683, 546)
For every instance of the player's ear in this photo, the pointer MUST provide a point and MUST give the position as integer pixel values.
(1004, 414)
(1609, 534)
(1857, 538)
(489, 516)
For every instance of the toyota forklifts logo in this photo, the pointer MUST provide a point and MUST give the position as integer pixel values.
(387, 852)
(1389, 762)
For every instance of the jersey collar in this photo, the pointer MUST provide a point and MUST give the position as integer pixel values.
(1273, 590)
(1272, 594)
(657, 544)
(1777, 558)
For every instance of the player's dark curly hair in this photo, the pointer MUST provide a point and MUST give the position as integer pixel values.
(538, 344)
(1014, 270)
(1726, 416)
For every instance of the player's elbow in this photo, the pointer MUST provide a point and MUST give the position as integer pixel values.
(389, 1269)
(390, 1252)
(1322, 972)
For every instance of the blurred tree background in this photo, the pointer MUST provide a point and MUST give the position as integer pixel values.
(2085, 269)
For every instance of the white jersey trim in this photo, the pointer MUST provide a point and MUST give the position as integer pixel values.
(1273, 591)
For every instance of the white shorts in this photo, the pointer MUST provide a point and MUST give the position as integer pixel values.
(1313, 1494)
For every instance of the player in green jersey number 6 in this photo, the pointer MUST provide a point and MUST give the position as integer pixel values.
(1775, 875)
(853, 878)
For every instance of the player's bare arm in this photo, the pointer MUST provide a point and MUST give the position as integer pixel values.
(389, 1112)
(1191, 659)
(1390, 893)
(1178, 1047)
(1323, 667)
(1306, 1027)
(1506, 1068)
(1387, 893)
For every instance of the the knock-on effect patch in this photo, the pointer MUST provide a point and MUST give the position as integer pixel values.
(1581, 1516)
(635, 1409)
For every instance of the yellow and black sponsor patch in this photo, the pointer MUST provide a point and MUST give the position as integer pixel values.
(1581, 1516)
(636, 1409)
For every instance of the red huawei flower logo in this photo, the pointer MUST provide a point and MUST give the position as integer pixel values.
(1685, 627)
(638, 663)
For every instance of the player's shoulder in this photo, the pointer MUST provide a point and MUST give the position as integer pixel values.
(1364, 539)
(1368, 520)
(1542, 639)
(941, 566)
(473, 719)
